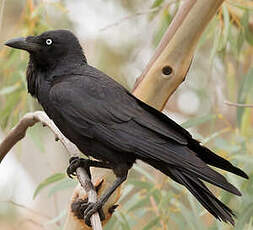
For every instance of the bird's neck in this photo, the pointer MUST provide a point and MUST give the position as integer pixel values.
(42, 76)
(33, 77)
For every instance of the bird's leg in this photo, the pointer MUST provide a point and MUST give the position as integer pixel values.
(94, 207)
(78, 206)
(76, 162)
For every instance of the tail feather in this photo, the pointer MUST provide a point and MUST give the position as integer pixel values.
(209, 175)
(204, 196)
(211, 158)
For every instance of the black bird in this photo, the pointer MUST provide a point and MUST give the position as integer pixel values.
(108, 123)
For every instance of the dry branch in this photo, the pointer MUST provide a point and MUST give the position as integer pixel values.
(238, 105)
(19, 132)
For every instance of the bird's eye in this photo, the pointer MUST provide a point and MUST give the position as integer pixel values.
(49, 41)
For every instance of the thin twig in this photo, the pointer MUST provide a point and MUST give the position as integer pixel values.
(24, 221)
(126, 18)
(238, 105)
(26, 208)
(1, 14)
(18, 133)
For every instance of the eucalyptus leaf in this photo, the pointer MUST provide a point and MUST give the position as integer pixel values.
(48, 181)
(61, 215)
(66, 183)
(9, 89)
(247, 213)
(226, 30)
(141, 203)
(154, 222)
(143, 172)
(247, 31)
(141, 184)
(157, 3)
(245, 88)
(198, 121)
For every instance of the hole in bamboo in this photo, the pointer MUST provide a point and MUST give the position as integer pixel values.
(167, 70)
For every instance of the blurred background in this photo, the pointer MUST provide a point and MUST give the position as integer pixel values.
(119, 37)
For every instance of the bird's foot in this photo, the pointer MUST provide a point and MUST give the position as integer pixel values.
(90, 208)
(81, 206)
(76, 162)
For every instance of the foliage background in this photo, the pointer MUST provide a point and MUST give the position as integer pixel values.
(119, 38)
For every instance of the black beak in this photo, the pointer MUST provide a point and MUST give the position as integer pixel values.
(23, 44)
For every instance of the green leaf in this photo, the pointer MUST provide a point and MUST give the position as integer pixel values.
(240, 41)
(223, 144)
(128, 188)
(141, 184)
(226, 29)
(154, 222)
(208, 33)
(61, 215)
(9, 89)
(36, 135)
(157, 3)
(62, 185)
(164, 23)
(141, 203)
(198, 121)
(216, 42)
(189, 218)
(247, 31)
(245, 122)
(244, 159)
(245, 88)
(247, 213)
(179, 220)
(110, 225)
(50, 180)
(123, 221)
(10, 104)
(241, 6)
(212, 136)
(143, 172)
(195, 210)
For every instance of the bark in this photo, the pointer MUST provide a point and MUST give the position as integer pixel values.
(175, 51)
(19, 132)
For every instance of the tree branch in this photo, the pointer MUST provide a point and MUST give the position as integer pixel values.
(172, 59)
(19, 132)
(238, 105)
(136, 14)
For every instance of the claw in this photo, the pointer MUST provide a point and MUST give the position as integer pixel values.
(76, 162)
(111, 210)
(81, 207)
(90, 210)
(76, 207)
(72, 159)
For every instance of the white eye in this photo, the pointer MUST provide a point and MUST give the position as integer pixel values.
(49, 41)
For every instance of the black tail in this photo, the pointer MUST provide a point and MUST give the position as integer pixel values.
(211, 158)
(204, 196)
(192, 181)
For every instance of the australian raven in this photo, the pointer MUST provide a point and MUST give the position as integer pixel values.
(108, 123)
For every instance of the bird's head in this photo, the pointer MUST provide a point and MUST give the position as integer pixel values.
(50, 47)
